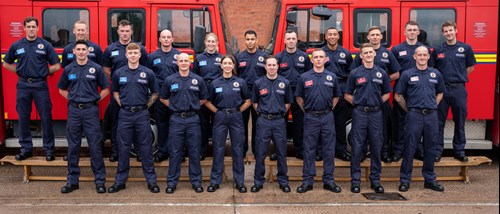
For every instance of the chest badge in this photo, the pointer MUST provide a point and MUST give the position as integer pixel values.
(263, 91)
(91, 49)
(433, 75)
(143, 75)
(461, 49)
(414, 79)
(92, 70)
(281, 85)
(236, 84)
(175, 56)
(329, 78)
(385, 55)
(301, 59)
(217, 59)
(194, 81)
(441, 56)
(361, 80)
(342, 55)
(40, 46)
(379, 74)
(309, 83)
(261, 59)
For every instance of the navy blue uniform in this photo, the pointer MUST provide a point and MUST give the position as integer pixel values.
(32, 59)
(250, 68)
(184, 95)
(367, 87)
(272, 97)
(83, 82)
(163, 65)
(420, 88)
(452, 61)
(339, 62)
(114, 58)
(95, 53)
(291, 66)
(134, 86)
(227, 95)
(318, 91)
(208, 67)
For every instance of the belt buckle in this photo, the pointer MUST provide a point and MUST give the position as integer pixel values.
(183, 114)
(269, 116)
(80, 106)
(425, 111)
(133, 109)
(228, 111)
(29, 80)
(365, 109)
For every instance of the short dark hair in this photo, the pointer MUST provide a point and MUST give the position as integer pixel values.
(412, 23)
(250, 32)
(30, 19)
(125, 22)
(374, 28)
(81, 42)
(270, 57)
(331, 28)
(449, 23)
(290, 31)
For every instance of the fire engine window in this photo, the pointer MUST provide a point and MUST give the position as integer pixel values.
(135, 16)
(57, 25)
(364, 19)
(430, 21)
(182, 23)
(311, 29)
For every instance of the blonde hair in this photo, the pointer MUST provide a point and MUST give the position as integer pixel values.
(216, 39)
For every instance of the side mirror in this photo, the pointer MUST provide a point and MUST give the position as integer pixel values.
(291, 17)
(322, 12)
(199, 39)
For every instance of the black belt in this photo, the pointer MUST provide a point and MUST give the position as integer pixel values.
(186, 113)
(368, 108)
(32, 79)
(451, 84)
(83, 105)
(271, 116)
(319, 113)
(229, 110)
(422, 110)
(135, 108)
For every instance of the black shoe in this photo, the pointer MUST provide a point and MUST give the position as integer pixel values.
(65, 158)
(300, 156)
(434, 186)
(113, 158)
(138, 158)
(403, 187)
(344, 157)
(22, 156)
(304, 188)
(419, 157)
(241, 188)
(170, 190)
(437, 158)
(285, 188)
(212, 187)
(396, 158)
(100, 189)
(462, 158)
(332, 187)
(153, 187)
(386, 159)
(256, 188)
(377, 187)
(273, 157)
(50, 157)
(116, 187)
(69, 188)
(319, 158)
(197, 189)
(355, 188)
(160, 158)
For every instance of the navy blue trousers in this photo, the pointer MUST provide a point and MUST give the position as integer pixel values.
(456, 98)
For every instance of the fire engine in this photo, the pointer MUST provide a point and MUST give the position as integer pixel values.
(477, 25)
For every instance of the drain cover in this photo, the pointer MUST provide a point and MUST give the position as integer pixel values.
(389, 196)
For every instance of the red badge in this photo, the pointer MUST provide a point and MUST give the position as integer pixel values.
(263, 91)
(361, 80)
(284, 65)
(243, 64)
(441, 56)
(327, 59)
(309, 83)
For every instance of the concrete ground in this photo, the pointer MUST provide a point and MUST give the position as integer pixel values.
(481, 195)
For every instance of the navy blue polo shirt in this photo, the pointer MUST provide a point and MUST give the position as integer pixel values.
(251, 66)
(404, 54)
(184, 93)
(134, 85)
(114, 56)
(32, 57)
(318, 90)
(207, 65)
(419, 87)
(164, 64)
(384, 59)
(338, 61)
(292, 65)
(95, 53)
(272, 95)
(228, 92)
(83, 82)
(368, 85)
(452, 61)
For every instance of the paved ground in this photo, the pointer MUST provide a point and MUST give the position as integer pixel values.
(481, 195)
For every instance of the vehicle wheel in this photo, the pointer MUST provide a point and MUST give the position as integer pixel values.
(154, 132)
(348, 127)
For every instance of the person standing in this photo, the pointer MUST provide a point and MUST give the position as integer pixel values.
(33, 54)
(132, 85)
(368, 87)
(271, 99)
(184, 92)
(317, 95)
(79, 84)
(418, 93)
(229, 96)
(81, 32)
(455, 60)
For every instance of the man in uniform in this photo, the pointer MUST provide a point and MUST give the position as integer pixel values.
(163, 63)
(79, 84)
(317, 94)
(184, 93)
(250, 68)
(33, 54)
(419, 92)
(271, 99)
(455, 60)
(113, 59)
(292, 63)
(368, 87)
(131, 87)
(81, 32)
(338, 61)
